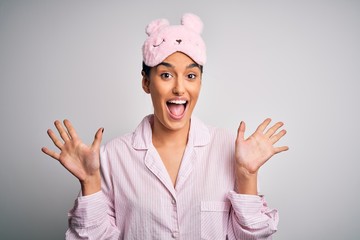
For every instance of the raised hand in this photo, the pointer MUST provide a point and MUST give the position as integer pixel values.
(78, 158)
(253, 152)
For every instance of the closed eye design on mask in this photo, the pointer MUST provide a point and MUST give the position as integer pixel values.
(156, 45)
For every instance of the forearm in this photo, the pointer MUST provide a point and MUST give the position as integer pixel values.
(246, 183)
(91, 185)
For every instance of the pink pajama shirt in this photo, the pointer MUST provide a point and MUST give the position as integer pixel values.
(139, 201)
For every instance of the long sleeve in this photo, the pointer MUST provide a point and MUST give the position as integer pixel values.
(93, 216)
(250, 218)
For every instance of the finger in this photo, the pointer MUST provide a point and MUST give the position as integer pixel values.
(277, 136)
(55, 140)
(97, 139)
(70, 129)
(63, 133)
(241, 131)
(50, 153)
(273, 129)
(281, 149)
(263, 125)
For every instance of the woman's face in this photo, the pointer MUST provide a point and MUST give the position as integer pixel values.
(174, 86)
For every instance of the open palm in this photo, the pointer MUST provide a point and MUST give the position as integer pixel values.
(78, 158)
(253, 152)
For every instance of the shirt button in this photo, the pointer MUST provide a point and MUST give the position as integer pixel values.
(175, 234)
(173, 201)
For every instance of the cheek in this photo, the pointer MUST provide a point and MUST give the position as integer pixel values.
(160, 89)
(195, 91)
(156, 96)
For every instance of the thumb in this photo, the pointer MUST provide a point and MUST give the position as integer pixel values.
(241, 131)
(97, 139)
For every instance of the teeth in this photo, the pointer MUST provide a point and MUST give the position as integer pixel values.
(177, 101)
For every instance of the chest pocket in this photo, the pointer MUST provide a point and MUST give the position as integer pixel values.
(214, 219)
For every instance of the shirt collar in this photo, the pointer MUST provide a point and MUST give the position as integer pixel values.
(199, 134)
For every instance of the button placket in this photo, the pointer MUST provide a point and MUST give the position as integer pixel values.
(175, 230)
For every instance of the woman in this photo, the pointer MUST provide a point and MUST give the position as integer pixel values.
(173, 177)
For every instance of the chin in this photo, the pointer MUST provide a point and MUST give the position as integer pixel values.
(175, 124)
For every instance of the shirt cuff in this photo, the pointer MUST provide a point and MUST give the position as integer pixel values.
(88, 210)
(251, 209)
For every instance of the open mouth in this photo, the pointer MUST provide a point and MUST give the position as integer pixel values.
(177, 108)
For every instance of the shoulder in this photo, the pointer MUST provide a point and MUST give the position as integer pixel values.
(214, 135)
(221, 134)
(123, 140)
(116, 149)
(138, 139)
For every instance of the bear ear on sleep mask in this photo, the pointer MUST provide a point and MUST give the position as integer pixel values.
(165, 39)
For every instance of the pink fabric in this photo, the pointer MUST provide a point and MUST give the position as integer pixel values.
(138, 200)
(165, 39)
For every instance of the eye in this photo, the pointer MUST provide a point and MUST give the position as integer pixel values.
(166, 75)
(192, 76)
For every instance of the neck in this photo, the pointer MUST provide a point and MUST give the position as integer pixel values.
(162, 136)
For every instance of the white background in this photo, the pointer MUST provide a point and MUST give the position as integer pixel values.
(294, 61)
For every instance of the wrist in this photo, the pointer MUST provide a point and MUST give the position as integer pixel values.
(246, 182)
(91, 184)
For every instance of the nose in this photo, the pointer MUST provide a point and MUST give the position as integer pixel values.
(179, 88)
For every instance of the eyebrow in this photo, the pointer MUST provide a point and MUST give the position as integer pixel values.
(192, 65)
